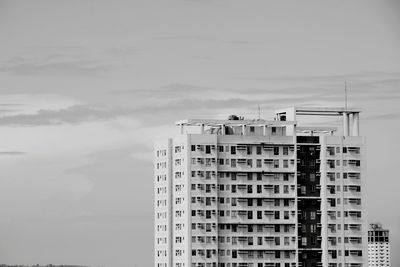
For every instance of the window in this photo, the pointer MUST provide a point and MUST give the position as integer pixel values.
(286, 215)
(277, 202)
(259, 189)
(250, 162)
(276, 163)
(313, 240)
(277, 254)
(276, 189)
(233, 162)
(312, 177)
(277, 228)
(303, 189)
(273, 131)
(312, 215)
(259, 214)
(249, 189)
(208, 214)
(276, 215)
(258, 150)
(249, 150)
(208, 149)
(276, 150)
(285, 150)
(286, 189)
(304, 241)
(285, 163)
(285, 177)
(258, 162)
(286, 202)
(277, 240)
(221, 148)
(193, 148)
(233, 150)
(286, 228)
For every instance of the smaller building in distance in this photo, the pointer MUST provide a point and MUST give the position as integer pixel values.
(378, 246)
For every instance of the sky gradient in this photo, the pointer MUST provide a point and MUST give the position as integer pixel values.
(86, 87)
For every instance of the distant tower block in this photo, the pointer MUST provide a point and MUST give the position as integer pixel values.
(378, 246)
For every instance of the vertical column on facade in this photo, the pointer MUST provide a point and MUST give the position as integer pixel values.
(350, 124)
(345, 124)
(223, 129)
(264, 129)
(356, 124)
(244, 129)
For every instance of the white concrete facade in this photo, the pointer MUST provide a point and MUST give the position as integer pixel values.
(256, 193)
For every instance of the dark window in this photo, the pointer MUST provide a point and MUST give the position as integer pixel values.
(234, 254)
(276, 150)
(276, 213)
(249, 189)
(285, 177)
(258, 150)
(286, 202)
(259, 214)
(249, 150)
(233, 150)
(250, 214)
(277, 254)
(208, 149)
(259, 189)
(193, 147)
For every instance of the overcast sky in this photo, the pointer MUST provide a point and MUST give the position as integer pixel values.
(87, 86)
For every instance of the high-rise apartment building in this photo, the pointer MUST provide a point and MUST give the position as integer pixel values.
(378, 246)
(258, 193)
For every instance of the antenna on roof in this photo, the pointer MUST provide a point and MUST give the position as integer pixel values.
(345, 94)
(259, 112)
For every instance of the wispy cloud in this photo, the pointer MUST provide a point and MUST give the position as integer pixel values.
(60, 60)
(71, 115)
(12, 153)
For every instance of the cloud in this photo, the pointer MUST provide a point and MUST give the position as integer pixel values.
(210, 39)
(54, 66)
(71, 115)
(64, 60)
(12, 153)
